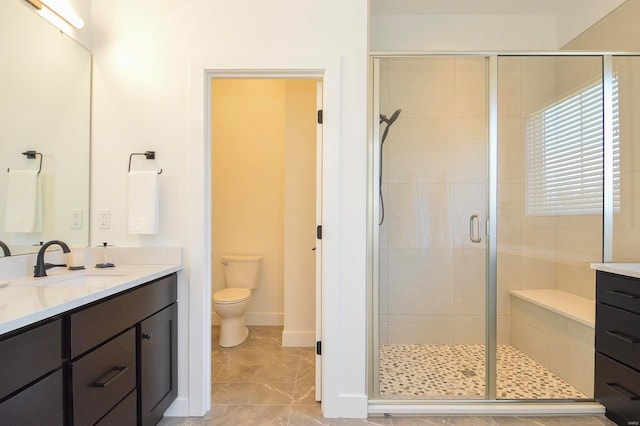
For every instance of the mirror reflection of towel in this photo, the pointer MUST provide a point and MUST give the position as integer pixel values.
(23, 208)
(143, 202)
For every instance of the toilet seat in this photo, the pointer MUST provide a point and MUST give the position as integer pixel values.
(231, 295)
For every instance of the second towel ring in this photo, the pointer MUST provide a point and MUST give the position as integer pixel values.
(149, 155)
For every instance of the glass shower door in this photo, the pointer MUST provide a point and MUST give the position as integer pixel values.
(431, 164)
(549, 223)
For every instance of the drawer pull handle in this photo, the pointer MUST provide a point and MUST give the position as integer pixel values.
(623, 391)
(111, 376)
(625, 337)
(624, 294)
(146, 336)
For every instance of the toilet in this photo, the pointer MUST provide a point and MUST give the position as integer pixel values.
(242, 274)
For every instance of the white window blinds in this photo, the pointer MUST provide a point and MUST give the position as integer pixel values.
(564, 155)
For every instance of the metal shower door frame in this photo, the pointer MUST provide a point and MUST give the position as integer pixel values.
(492, 404)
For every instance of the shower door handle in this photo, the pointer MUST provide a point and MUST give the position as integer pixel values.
(474, 229)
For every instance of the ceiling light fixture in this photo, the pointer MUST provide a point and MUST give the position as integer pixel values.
(58, 13)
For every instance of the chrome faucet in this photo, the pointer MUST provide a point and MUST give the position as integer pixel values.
(5, 249)
(40, 270)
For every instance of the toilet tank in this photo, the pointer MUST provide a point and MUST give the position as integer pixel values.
(242, 271)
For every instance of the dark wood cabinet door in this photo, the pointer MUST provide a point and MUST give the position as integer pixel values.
(158, 385)
(39, 404)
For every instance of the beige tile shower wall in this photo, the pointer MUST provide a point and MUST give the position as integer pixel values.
(619, 32)
(626, 219)
(434, 178)
(539, 251)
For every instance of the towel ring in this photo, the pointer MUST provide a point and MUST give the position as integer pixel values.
(31, 155)
(149, 155)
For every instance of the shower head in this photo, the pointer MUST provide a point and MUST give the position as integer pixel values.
(390, 120)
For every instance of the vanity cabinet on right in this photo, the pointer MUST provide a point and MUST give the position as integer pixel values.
(123, 352)
(617, 363)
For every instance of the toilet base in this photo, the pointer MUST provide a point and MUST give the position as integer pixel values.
(232, 332)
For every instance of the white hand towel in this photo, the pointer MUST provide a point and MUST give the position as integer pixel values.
(143, 202)
(23, 208)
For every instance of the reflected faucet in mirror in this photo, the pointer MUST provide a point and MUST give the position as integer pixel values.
(40, 270)
(5, 249)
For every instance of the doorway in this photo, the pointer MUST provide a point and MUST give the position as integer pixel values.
(265, 145)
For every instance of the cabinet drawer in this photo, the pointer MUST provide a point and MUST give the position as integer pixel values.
(40, 404)
(97, 323)
(618, 334)
(123, 414)
(617, 387)
(28, 355)
(619, 291)
(103, 377)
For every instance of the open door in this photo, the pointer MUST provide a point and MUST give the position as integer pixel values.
(319, 244)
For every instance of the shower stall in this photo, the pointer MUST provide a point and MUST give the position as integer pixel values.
(502, 180)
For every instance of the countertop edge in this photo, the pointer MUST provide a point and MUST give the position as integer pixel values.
(49, 312)
(626, 269)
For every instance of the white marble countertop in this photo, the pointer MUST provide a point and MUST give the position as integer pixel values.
(627, 269)
(28, 300)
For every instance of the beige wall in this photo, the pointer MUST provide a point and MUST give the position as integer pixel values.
(263, 183)
(248, 185)
(620, 31)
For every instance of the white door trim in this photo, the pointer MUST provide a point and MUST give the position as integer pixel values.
(198, 254)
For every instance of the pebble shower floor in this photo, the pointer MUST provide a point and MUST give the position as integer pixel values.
(458, 372)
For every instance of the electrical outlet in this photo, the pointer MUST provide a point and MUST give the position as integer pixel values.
(76, 218)
(104, 219)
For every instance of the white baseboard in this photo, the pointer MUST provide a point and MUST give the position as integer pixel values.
(298, 339)
(256, 318)
(179, 408)
(353, 406)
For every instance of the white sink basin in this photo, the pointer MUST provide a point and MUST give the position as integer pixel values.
(83, 280)
(89, 277)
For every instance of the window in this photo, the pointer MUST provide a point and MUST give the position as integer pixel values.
(565, 155)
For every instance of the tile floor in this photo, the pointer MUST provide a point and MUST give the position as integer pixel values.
(261, 383)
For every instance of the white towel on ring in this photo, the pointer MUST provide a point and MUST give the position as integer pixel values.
(143, 202)
(23, 207)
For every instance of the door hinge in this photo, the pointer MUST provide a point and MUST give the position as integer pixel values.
(319, 232)
(318, 348)
(319, 116)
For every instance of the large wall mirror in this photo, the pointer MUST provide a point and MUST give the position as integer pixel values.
(45, 99)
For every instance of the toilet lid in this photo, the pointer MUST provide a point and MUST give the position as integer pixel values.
(231, 295)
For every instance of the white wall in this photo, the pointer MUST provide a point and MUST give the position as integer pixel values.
(462, 32)
(142, 101)
(449, 26)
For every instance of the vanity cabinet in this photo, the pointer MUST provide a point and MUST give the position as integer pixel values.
(31, 361)
(121, 349)
(158, 366)
(112, 362)
(617, 359)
